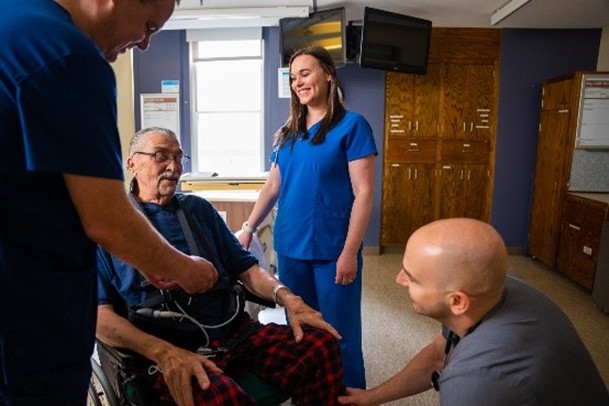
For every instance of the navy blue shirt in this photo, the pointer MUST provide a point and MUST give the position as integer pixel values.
(57, 116)
(120, 284)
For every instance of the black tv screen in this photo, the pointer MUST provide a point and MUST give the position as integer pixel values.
(322, 28)
(394, 42)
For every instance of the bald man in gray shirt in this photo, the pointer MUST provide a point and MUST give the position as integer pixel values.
(502, 341)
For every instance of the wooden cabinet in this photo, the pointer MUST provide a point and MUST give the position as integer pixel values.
(550, 184)
(408, 191)
(408, 149)
(408, 175)
(557, 95)
(464, 179)
(462, 188)
(415, 102)
(439, 135)
(469, 100)
(555, 149)
(580, 234)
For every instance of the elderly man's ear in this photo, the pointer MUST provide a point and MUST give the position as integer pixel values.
(131, 165)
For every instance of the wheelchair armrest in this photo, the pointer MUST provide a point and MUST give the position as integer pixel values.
(122, 356)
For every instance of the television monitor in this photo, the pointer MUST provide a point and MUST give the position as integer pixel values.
(395, 42)
(324, 28)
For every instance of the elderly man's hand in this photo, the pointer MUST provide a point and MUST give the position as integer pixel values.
(299, 313)
(199, 277)
(179, 367)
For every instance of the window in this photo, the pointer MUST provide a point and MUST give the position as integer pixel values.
(227, 89)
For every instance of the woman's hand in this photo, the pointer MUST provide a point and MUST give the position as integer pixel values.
(346, 268)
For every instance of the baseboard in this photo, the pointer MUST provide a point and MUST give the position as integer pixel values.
(371, 250)
(515, 251)
(392, 250)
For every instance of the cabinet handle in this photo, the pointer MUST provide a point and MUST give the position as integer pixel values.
(416, 173)
(409, 173)
(416, 125)
(471, 126)
(409, 125)
(464, 124)
(461, 177)
(573, 226)
(562, 111)
(469, 174)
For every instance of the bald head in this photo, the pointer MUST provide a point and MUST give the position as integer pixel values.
(459, 254)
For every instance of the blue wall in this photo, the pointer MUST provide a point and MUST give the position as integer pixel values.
(527, 58)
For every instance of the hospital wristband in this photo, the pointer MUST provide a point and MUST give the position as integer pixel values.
(248, 229)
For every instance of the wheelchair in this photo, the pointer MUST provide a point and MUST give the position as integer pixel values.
(119, 378)
(118, 384)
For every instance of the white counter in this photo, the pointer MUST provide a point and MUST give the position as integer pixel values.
(228, 195)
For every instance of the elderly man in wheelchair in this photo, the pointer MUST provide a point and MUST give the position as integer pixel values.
(194, 347)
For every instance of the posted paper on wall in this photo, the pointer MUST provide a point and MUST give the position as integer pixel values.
(160, 110)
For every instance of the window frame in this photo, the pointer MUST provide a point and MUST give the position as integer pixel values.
(194, 36)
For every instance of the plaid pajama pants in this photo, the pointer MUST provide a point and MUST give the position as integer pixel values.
(310, 370)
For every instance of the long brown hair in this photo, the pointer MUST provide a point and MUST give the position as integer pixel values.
(297, 121)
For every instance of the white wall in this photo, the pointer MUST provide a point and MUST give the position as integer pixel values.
(123, 70)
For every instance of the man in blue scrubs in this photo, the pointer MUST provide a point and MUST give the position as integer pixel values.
(62, 189)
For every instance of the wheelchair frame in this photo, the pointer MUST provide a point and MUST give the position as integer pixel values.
(105, 391)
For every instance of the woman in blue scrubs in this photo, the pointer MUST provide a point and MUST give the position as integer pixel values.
(322, 180)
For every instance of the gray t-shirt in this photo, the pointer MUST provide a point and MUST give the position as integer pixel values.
(524, 352)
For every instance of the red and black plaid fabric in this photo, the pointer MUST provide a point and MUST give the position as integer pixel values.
(310, 370)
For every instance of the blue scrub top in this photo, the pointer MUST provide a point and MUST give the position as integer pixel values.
(57, 115)
(316, 196)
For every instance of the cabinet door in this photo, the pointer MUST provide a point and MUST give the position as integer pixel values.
(549, 186)
(477, 184)
(413, 103)
(463, 191)
(469, 100)
(579, 242)
(398, 104)
(451, 201)
(556, 95)
(407, 201)
(575, 258)
(427, 102)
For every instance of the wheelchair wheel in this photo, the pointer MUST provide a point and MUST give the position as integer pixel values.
(101, 392)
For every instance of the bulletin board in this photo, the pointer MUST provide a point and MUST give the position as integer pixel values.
(160, 110)
(593, 118)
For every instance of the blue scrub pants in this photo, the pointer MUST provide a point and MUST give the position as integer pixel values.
(340, 306)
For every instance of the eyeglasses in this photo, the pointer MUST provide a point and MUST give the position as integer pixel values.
(160, 157)
(451, 341)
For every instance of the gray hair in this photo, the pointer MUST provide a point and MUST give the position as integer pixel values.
(140, 137)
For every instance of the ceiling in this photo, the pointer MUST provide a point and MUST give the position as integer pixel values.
(442, 13)
(477, 13)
